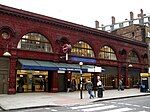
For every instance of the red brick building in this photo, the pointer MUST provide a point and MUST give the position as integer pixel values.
(35, 54)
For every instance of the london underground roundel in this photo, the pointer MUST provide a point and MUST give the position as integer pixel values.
(66, 48)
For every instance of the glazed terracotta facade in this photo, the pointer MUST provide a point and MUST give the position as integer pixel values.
(18, 23)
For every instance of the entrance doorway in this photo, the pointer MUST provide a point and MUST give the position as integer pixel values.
(3, 83)
(75, 80)
(4, 72)
(62, 82)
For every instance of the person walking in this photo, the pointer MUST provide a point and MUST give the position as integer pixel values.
(68, 85)
(73, 85)
(100, 88)
(41, 84)
(89, 87)
(120, 87)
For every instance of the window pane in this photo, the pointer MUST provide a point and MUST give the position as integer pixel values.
(113, 57)
(101, 55)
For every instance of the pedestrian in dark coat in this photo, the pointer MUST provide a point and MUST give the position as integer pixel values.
(68, 85)
(89, 87)
(120, 87)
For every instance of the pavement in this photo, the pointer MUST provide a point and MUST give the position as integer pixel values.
(44, 99)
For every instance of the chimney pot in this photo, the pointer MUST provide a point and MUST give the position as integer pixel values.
(96, 24)
(131, 16)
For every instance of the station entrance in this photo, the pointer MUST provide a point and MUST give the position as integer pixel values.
(45, 76)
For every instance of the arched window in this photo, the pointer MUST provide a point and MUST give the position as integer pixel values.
(107, 53)
(133, 57)
(82, 49)
(34, 42)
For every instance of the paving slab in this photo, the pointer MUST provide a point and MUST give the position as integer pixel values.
(44, 99)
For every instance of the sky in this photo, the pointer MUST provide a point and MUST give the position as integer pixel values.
(83, 12)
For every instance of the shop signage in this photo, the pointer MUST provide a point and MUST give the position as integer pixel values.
(79, 59)
(71, 69)
(144, 74)
(95, 69)
(60, 71)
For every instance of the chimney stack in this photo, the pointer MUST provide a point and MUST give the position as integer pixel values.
(113, 20)
(141, 13)
(96, 24)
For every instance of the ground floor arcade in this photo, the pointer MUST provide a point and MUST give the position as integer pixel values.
(41, 78)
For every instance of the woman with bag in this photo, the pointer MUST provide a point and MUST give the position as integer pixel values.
(100, 88)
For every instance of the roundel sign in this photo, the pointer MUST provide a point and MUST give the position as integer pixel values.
(66, 48)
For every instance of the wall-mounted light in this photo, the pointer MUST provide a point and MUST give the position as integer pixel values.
(40, 76)
(130, 65)
(21, 75)
(6, 54)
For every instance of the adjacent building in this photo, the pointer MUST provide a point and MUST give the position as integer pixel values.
(136, 32)
(137, 29)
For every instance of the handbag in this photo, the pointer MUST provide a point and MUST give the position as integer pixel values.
(103, 88)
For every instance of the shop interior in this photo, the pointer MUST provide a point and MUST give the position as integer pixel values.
(31, 81)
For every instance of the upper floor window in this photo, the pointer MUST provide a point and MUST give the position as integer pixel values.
(82, 49)
(133, 57)
(34, 42)
(107, 53)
